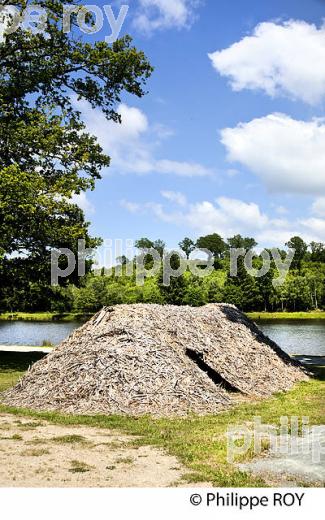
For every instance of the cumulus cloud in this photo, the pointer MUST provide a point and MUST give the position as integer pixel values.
(278, 58)
(132, 145)
(82, 201)
(318, 207)
(155, 15)
(183, 169)
(228, 217)
(314, 226)
(175, 196)
(132, 207)
(286, 154)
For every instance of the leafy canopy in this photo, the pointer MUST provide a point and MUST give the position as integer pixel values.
(46, 153)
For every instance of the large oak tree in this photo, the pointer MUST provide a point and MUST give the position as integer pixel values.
(46, 154)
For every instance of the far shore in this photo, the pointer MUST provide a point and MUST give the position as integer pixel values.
(310, 315)
(83, 317)
(45, 316)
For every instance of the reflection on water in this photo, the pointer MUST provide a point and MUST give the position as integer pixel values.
(34, 332)
(297, 336)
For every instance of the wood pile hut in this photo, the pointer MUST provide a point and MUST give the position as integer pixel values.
(158, 360)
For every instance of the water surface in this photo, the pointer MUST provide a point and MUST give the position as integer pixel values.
(296, 336)
(34, 332)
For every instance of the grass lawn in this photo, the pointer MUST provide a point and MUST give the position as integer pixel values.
(44, 316)
(14, 364)
(199, 442)
(312, 315)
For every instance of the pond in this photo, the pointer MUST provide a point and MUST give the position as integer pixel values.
(297, 336)
(293, 336)
(35, 332)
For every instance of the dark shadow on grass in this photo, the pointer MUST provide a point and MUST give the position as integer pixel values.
(19, 361)
(314, 364)
(318, 372)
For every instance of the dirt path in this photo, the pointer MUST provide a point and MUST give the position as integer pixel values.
(39, 454)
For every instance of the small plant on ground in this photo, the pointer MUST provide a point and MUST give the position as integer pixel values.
(15, 437)
(69, 439)
(35, 453)
(77, 466)
(124, 460)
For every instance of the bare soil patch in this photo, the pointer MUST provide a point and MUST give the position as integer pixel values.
(36, 453)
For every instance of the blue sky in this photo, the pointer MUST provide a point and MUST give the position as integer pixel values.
(230, 138)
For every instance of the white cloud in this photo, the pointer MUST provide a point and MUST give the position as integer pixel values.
(228, 217)
(279, 59)
(315, 226)
(318, 207)
(183, 169)
(175, 196)
(82, 201)
(286, 154)
(155, 15)
(281, 210)
(132, 144)
(132, 207)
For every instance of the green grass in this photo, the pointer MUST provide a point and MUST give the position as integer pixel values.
(28, 426)
(77, 466)
(69, 439)
(82, 317)
(47, 343)
(312, 315)
(124, 460)
(199, 443)
(14, 364)
(44, 316)
(15, 437)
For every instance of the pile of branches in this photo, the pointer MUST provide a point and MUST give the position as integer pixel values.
(158, 360)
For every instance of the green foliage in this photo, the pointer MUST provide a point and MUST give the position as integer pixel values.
(266, 289)
(47, 155)
(187, 246)
(143, 244)
(300, 248)
(317, 252)
(303, 290)
(239, 242)
(159, 245)
(243, 290)
(213, 243)
(122, 260)
(195, 295)
(174, 293)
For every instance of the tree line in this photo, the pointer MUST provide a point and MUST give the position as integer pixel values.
(303, 289)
